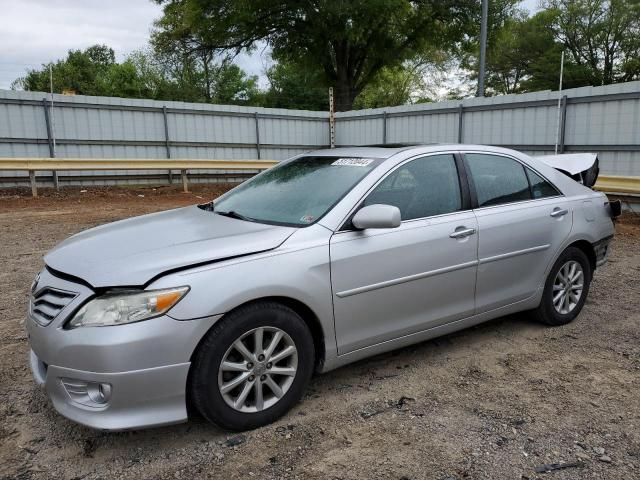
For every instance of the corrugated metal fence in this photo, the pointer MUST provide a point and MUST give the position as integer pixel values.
(605, 120)
(100, 127)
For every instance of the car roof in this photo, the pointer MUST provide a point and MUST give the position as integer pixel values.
(388, 151)
(371, 152)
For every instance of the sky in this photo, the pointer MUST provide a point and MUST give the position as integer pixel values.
(33, 32)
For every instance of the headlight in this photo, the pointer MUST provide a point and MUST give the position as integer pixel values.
(117, 308)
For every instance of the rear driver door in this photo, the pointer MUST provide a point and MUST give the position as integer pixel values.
(523, 221)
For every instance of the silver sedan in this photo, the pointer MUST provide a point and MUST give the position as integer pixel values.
(325, 259)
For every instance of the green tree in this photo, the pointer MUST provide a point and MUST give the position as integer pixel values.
(155, 80)
(204, 74)
(145, 74)
(503, 15)
(506, 67)
(304, 86)
(524, 57)
(350, 42)
(295, 85)
(601, 41)
(190, 63)
(601, 36)
(393, 86)
(78, 72)
(540, 53)
(230, 84)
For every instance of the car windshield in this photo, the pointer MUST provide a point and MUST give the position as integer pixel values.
(296, 193)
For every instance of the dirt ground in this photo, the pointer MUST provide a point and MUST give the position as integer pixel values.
(491, 402)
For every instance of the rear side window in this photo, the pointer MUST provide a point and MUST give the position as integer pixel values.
(540, 188)
(421, 188)
(497, 179)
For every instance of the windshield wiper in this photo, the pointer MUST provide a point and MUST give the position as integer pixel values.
(234, 214)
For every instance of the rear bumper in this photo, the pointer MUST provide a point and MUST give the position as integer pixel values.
(601, 249)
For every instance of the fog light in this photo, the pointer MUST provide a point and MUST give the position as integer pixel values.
(91, 394)
(101, 394)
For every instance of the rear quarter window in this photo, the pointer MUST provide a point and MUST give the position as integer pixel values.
(540, 188)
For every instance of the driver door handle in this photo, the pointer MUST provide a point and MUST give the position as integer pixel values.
(559, 212)
(462, 232)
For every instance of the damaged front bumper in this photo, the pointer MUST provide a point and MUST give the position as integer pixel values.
(118, 377)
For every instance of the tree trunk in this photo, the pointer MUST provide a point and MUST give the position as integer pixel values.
(207, 78)
(345, 90)
(607, 75)
(344, 94)
(343, 98)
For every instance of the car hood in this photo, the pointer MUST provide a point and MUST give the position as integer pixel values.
(131, 252)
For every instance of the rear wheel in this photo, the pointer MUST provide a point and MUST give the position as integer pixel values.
(566, 288)
(252, 367)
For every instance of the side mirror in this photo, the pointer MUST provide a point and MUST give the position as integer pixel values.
(377, 216)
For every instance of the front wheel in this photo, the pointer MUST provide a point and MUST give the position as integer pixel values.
(566, 288)
(252, 367)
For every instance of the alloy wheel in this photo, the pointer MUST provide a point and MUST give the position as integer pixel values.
(258, 369)
(567, 287)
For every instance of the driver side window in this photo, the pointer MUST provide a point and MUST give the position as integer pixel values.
(421, 188)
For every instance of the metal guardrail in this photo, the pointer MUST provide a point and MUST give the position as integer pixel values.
(77, 164)
(606, 183)
(129, 164)
(618, 185)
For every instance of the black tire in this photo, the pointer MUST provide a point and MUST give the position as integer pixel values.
(204, 390)
(546, 312)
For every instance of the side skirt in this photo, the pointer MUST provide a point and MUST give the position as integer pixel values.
(428, 334)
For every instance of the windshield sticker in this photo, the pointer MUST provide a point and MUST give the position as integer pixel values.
(353, 162)
(307, 218)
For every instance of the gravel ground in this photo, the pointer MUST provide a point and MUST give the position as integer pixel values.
(491, 402)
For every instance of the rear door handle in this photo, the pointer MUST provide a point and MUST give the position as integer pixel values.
(462, 232)
(559, 212)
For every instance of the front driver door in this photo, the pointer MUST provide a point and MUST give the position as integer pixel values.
(388, 283)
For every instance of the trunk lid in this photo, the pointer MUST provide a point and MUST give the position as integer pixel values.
(582, 167)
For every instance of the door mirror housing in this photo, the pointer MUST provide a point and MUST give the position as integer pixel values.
(377, 216)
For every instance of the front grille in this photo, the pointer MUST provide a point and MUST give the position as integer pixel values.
(47, 303)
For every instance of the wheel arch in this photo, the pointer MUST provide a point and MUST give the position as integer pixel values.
(580, 243)
(588, 250)
(306, 313)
